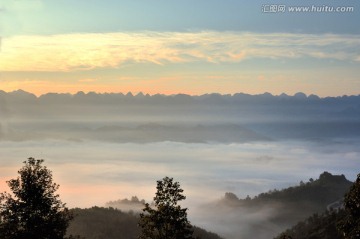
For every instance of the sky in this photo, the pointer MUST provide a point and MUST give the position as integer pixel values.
(189, 46)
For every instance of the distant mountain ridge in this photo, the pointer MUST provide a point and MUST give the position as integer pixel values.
(206, 118)
(21, 94)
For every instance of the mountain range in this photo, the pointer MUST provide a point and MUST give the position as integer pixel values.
(206, 118)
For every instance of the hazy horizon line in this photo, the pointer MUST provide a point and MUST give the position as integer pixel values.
(140, 93)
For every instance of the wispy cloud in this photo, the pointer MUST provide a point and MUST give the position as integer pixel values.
(88, 80)
(110, 50)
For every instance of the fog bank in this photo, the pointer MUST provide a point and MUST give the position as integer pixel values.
(206, 171)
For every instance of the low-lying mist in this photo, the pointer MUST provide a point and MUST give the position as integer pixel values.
(93, 173)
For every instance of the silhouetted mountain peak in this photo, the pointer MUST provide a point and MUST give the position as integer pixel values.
(328, 178)
(140, 95)
(21, 93)
(231, 196)
(283, 95)
(300, 95)
(313, 97)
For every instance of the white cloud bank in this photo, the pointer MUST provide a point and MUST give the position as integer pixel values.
(93, 172)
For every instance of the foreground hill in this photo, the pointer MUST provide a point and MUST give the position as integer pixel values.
(268, 214)
(110, 223)
(341, 222)
(318, 226)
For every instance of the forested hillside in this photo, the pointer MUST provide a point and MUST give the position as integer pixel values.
(298, 202)
(318, 226)
(268, 214)
(110, 223)
(340, 222)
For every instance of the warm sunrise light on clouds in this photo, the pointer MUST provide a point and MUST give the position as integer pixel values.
(66, 46)
(183, 57)
(112, 50)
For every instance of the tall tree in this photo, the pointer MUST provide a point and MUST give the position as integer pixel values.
(33, 210)
(167, 220)
(350, 225)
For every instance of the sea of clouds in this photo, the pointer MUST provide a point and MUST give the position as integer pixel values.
(92, 172)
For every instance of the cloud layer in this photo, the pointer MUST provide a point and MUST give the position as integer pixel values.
(112, 50)
(109, 171)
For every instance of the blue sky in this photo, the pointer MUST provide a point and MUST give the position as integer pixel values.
(65, 16)
(192, 47)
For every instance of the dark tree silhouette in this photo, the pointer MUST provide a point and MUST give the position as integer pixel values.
(167, 220)
(350, 225)
(33, 210)
(285, 236)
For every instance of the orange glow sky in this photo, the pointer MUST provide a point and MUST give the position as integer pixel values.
(177, 47)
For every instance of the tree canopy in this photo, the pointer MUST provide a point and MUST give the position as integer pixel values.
(33, 210)
(350, 225)
(167, 220)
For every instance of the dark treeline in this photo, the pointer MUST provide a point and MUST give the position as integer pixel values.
(110, 223)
